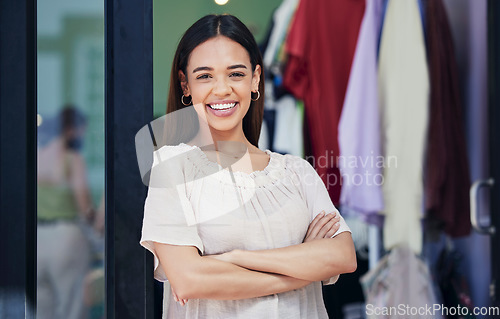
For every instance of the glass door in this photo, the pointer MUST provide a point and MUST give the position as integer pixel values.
(70, 159)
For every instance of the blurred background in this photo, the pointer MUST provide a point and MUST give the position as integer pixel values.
(70, 151)
(391, 101)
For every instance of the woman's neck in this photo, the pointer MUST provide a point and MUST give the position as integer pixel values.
(226, 140)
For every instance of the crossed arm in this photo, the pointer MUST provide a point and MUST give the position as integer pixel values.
(247, 274)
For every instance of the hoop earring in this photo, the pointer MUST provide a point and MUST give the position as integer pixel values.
(258, 96)
(182, 100)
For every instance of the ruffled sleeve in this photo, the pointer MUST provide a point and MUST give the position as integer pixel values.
(168, 214)
(314, 191)
(316, 196)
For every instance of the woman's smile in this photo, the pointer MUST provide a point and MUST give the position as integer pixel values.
(222, 108)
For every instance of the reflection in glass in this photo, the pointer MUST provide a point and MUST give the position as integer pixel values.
(70, 202)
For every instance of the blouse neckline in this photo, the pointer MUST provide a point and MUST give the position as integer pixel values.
(273, 171)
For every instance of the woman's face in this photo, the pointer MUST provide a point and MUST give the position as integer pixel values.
(220, 81)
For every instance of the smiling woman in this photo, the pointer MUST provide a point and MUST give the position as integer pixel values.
(231, 51)
(252, 239)
(220, 78)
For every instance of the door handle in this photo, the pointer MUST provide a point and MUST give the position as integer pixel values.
(474, 216)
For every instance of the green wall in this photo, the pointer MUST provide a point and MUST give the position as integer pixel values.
(172, 18)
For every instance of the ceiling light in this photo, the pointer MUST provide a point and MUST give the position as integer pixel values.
(221, 2)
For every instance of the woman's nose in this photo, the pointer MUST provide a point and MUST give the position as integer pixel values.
(222, 88)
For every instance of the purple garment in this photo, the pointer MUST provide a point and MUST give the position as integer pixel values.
(359, 126)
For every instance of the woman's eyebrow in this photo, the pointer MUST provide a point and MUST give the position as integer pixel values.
(203, 68)
(236, 66)
(231, 67)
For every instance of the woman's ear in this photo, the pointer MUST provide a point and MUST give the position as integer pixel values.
(184, 83)
(256, 78)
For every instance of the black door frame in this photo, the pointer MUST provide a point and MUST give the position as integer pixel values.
(494, 138)
(129, 106)
(18, 158)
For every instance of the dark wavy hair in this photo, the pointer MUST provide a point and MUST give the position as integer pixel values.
(184, 127)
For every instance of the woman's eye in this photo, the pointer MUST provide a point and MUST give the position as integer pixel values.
(237, 74)
(203, 76)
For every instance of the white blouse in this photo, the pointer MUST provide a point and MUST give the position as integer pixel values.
(196, 202)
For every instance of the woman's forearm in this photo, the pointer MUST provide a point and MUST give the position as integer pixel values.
(196, 277)
(315, 260)
(221, 280)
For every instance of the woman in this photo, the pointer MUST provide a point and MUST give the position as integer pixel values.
(238, 232)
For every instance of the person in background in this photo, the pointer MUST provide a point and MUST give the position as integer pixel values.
(63, 203)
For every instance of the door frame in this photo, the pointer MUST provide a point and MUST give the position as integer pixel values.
(129, 106)
(494, 137)
(18, 125)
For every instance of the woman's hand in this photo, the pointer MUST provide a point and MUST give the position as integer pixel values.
(323, 226)
(182, 302)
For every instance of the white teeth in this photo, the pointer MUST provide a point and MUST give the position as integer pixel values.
(222, 106)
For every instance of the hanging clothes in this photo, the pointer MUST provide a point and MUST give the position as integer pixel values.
(264, 137)
(384, 10)
(269, 120)
(404, 93)
(281, 22)
(320, 47)
(359, 126)
(400, 278)
(288, 137)
(447, 179)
